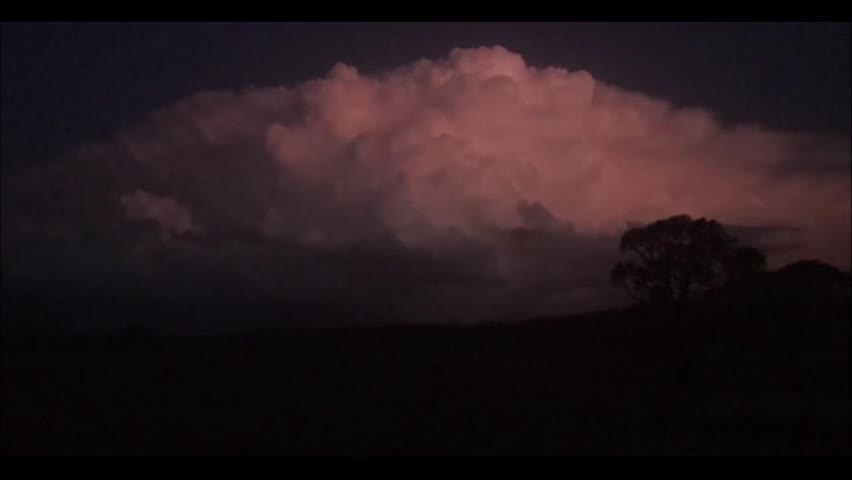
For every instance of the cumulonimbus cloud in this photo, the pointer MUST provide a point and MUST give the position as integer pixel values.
(172, 217)
(476, 147)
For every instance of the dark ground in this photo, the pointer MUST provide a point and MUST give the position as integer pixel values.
(606, 384)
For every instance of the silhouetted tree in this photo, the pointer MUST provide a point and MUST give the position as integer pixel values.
(744, 262)
(675, 260)
(812, 280)
(744, 275)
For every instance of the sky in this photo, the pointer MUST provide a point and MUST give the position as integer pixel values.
(410, 171)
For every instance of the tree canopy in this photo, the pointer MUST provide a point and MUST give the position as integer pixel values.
(680, 259)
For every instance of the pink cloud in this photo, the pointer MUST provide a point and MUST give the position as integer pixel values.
(471, 146)
(170, 215)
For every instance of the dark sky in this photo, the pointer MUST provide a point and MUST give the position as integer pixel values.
(66, 83)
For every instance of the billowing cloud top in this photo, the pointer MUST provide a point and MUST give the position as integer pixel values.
(519, 179)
